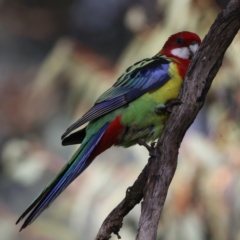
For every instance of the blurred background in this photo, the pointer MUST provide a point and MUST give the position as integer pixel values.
(56, 58)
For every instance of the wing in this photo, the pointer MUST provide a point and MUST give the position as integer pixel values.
(74, 138)
(142, 77)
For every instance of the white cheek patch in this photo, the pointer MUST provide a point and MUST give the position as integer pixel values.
(193, 48)
(183, 52)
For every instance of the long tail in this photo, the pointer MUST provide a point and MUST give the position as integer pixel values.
(74, 167)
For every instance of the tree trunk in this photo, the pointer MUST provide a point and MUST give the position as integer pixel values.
(153, 183)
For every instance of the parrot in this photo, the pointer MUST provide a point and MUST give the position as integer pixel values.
(133, 111)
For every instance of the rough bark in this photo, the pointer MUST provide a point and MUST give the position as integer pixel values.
(153, 183)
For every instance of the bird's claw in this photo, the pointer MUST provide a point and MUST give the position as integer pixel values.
(172, 103)
(151, 149)
(167, 107)
(153, 144)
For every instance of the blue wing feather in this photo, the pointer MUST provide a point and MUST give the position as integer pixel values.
(144, 76)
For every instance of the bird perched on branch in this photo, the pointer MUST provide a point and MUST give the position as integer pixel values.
(132, 111)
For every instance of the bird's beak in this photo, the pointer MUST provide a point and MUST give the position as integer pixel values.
(193, 48)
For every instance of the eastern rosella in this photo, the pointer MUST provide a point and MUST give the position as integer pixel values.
(132, 111)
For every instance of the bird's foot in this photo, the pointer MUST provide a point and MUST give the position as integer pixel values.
(167, 107)
(151, 148)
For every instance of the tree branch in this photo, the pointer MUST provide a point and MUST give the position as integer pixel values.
(153, 183)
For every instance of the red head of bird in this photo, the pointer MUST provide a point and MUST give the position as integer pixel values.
(181, 45)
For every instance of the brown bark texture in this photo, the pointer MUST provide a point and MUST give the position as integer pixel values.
(153, 183)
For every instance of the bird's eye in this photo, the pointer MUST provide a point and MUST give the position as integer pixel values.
(194, 42)
(179, 41)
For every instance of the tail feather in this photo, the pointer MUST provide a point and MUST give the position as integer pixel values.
(75, 166)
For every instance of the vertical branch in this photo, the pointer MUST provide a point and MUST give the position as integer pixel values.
(202, 70)
(153, 183)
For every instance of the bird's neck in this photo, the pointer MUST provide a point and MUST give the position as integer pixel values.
(182, 65)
